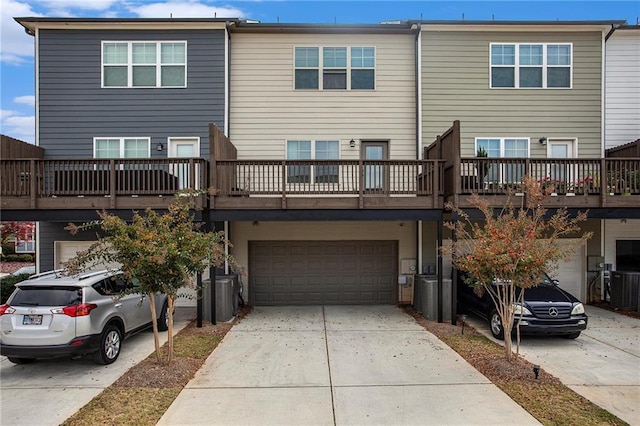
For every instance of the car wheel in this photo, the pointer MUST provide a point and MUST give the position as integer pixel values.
(163, 320)
(495, 323)
(110, 342)
(572, 335)
(21, 360)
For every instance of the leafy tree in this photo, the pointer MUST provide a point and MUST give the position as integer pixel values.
(511, 248)
(18, 230)
(157, 252)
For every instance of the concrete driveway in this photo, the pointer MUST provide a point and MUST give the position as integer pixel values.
(48, 392)
(338, 365)
(603, 364)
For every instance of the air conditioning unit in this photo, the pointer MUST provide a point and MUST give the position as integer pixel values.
(625, 290)
(425, 299)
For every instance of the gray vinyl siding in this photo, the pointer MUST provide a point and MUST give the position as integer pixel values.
(74, 108)
(455, 86)
(49, 233)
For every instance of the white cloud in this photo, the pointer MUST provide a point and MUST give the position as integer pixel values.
(16, 46)
(73, 8)
(26, 100)
(18, 126)
(78, 4)
(184, 9)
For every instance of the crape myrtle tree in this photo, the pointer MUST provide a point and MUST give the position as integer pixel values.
(158, 253)
(511, 248)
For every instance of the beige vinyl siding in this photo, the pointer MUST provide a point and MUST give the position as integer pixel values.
(266, 110)
(455, 86)
(622, 88)
(243, 232)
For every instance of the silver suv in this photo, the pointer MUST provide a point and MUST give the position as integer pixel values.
(51, 315)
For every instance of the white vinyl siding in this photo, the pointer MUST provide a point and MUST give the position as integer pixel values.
(121, 147)
(144, 64)
(267, 109)
(622, 82)
(455, 69)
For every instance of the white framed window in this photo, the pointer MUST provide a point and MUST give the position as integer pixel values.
(121, 147)
(531, 65)
(341, 68)
(504, 148)
(144, 64)
(28, 245)
(313, 150)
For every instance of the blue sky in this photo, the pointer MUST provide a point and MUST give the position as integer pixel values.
(16, 48)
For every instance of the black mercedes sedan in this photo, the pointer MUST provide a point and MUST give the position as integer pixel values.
(547, 309)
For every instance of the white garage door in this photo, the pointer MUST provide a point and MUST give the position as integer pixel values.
(65, 250)
(572, 273)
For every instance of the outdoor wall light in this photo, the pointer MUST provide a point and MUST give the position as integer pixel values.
(159, 147)
(536, 370)
(352, 143)
(543, 140)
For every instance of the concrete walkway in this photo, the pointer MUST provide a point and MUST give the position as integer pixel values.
(603, 364)
(338, 365)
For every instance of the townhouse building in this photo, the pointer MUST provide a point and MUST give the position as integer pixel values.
(328, 151)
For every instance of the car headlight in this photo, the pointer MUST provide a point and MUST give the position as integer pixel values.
(578, 309)
(521, 310)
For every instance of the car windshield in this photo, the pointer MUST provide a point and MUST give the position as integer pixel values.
(47, 296)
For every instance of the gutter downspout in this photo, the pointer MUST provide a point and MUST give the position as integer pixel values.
(603, 91)
(227, 75)
(418, 82)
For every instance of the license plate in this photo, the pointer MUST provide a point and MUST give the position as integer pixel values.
(32, 320)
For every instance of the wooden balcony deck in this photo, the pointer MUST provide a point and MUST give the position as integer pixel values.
(36, 184)
(328, 184)
(576, 183)
(90, 184)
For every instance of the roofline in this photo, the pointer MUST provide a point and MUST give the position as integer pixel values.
(540, 23)
(237, 24)
(32, 23)
(628, 27)
(258, 27)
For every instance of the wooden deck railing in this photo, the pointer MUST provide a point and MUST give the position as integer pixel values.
(44, 178)
(610, 176)
(329, 177)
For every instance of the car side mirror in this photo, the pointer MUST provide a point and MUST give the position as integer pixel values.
(555, 282)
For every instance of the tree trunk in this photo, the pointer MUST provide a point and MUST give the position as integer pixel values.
(170, 305)
(154, 323)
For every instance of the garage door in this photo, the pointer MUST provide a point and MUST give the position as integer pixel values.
(571, 273)
(323, 272)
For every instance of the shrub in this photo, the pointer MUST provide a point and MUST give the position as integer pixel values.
(7, 285)
(17, 258)
(8, 249)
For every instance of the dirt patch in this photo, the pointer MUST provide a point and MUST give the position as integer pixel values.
(192, 347)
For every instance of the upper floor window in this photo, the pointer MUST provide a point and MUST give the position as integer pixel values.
(312, 150)
(531, 65)
(342, 68)
(144, 64)
(121, 147)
